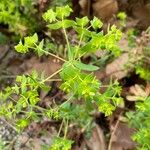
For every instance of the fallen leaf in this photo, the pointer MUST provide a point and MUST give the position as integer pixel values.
(136, 92)
(47, 67)
(137, 9)
(117, 68)
(147, 89)
(97, 141)
(141, 12)
(121, 139)
(105, 9)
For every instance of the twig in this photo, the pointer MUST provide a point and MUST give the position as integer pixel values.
(113, 133)
(8, 124)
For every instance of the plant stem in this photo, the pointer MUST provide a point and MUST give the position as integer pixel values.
(60, 128)
(9, 124)
(66, 37)
(66, 129)
(55, 56)
(78, 45)
(55, 80)
(48, 53)
(70, 98)
(113, 133)
(52, 75)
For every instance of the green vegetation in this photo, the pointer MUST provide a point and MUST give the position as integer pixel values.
(23, 97)
(20, 102)
(140, 120)
(19, 16)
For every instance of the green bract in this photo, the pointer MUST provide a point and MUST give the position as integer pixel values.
(122, 15)
(50, 16)
(96, 23)
(63, 11)
(82, 22)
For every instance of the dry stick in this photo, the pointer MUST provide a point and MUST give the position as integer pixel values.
(60, 128)
(8, 124)
(55, 73)
(53, 55)
(113, 133)
(66, 129)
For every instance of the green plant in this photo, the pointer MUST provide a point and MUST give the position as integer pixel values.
(19, 16)
(122, 19)
(142, 67)
(78, 81)
(131, 37)
(139, 54)
(2, 144)
(140, 120)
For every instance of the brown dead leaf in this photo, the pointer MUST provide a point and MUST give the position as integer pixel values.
(105, 9)
(116, 146)
(117, 69)
(147, 89)
(81, 147)
(97, 141)
(84, 7)
(136, 92)
(121, 140)
(47, 67)
(137, 9)
(141, 12)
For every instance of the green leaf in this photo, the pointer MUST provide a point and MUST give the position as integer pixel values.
(44, 87)
(122, 15)
(68, 23)
(22, 123)
(62, 12)
(15, 88)
(71, 52)
(55, 26)
(33, 97)
(50, 16)
(85, 67)
(39, 48)
(68, 71)
(89, 47)
(96, 23)
(61, 144)
(21, 48)
(84, 31)
(106, 108)
(31, 40)
(82, 22)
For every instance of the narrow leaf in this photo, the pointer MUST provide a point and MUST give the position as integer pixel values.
(85, 67)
